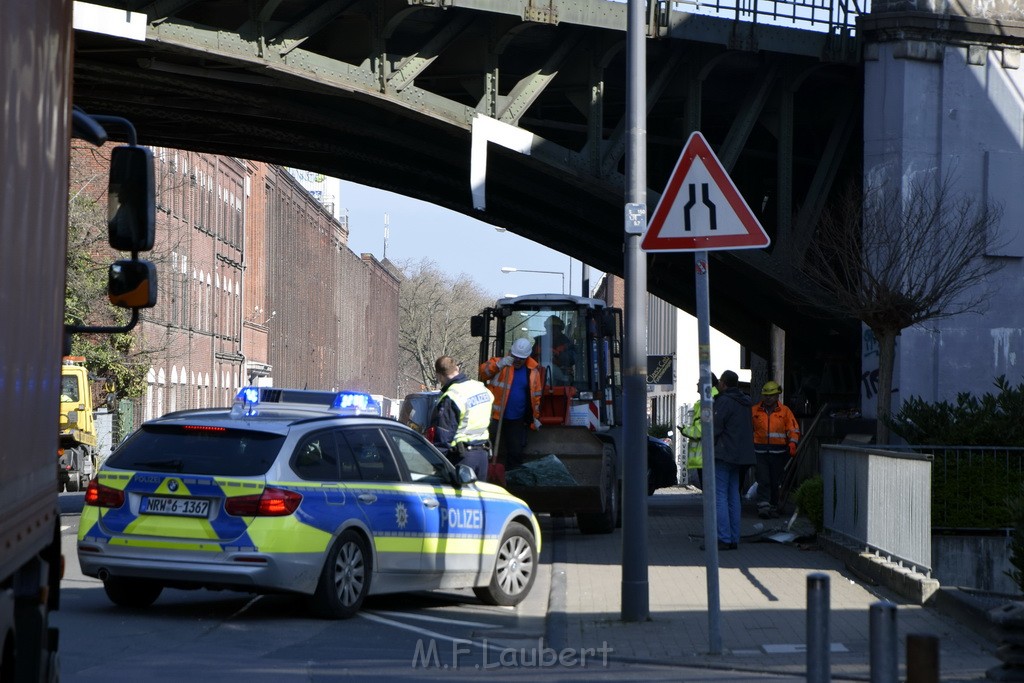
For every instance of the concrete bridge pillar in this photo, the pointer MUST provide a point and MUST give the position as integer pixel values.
(944, 94)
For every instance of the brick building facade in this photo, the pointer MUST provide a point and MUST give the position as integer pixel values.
(257, 285)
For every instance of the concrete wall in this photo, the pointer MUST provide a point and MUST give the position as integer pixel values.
(979, 562)
(988, 9)
(953, 106)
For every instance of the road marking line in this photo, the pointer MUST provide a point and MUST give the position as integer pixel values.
(441, 620)
(425, 632)
(798, 648)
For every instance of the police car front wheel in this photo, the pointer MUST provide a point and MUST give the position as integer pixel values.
(345, 579)
(514, 569)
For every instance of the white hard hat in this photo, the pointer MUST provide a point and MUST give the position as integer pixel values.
(522, 348)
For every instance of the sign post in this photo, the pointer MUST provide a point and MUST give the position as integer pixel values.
(701, 210)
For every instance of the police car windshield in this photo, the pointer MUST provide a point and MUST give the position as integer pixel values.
(176, 448)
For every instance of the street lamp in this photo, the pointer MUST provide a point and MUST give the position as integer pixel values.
(510, 269)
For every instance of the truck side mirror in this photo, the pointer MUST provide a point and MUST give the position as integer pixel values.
(132, 284)
(477, 326)
(131, 200)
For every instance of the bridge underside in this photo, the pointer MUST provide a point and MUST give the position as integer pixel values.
(384, 93)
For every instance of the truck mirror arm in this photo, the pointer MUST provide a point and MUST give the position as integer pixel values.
(98, 329)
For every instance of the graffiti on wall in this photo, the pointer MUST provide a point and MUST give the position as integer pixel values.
(869, 365)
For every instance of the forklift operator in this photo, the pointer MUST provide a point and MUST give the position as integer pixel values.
(555, 350)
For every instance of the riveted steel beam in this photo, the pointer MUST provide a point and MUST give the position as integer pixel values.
(617, 145)
(528, 89)
(382, 92)
(164, 9)
(413, 65)
(298, 32)
(824, 176)
(746, 119)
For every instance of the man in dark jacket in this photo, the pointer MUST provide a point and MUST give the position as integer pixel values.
(734, 449)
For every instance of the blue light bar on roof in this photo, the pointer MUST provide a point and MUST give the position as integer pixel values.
(248, 399)
(355, 403)
(248, 395)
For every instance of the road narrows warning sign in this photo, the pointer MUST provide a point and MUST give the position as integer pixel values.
(701, 209)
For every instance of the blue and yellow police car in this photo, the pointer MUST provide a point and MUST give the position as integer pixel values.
(300, 492)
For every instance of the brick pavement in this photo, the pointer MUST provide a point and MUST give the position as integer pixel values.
(763, 591)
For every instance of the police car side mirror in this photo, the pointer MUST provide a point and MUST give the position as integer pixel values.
(466, 475)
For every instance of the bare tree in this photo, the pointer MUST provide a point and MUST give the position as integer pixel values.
(893, 259)
(434, 311)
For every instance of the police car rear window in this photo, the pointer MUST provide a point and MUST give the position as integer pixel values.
(198, 450)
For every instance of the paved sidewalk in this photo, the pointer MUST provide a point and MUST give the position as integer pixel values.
(763, 595)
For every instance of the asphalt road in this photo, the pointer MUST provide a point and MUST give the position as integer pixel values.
(224, 636)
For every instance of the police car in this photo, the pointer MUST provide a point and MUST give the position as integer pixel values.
(301, 492)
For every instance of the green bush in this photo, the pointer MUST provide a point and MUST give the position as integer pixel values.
(970, 490)
(810, 498)
(660, 430)
(992, 420)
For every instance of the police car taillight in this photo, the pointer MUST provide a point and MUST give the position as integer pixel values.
(272, 502)
(101, 496)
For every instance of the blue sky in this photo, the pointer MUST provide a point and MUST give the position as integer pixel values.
(461, 244)
(458, 243)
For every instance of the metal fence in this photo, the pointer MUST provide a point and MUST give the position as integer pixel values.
(816, 15)
(972, 484)
(879, 500)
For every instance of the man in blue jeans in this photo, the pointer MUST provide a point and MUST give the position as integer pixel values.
(734, 448)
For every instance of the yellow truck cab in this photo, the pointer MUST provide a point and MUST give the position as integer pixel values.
(77, 447)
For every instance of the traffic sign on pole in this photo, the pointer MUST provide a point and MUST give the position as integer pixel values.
(701, 209)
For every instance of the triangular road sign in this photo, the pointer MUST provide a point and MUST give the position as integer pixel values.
(701, 209)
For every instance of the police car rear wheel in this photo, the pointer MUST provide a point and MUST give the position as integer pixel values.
(514, 570)
(345, 580)
(136, 593)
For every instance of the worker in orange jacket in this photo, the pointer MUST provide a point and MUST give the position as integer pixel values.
(516, 382)
(776, 435)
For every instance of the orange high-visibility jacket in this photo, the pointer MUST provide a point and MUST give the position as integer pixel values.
(775, 430)
(500, 382)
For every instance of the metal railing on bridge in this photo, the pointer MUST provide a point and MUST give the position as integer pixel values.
(829, 16)
(879, 500)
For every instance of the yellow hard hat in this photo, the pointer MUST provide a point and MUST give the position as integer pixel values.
(771, 388)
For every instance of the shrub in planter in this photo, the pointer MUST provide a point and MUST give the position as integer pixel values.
(970, 490)
(989, 420)
(660, 430)
(810, 498)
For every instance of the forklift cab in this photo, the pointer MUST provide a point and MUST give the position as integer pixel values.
(577, 343)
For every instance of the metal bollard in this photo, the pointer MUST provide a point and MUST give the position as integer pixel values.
(884, 657)
(818, 634)
(922, 658)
